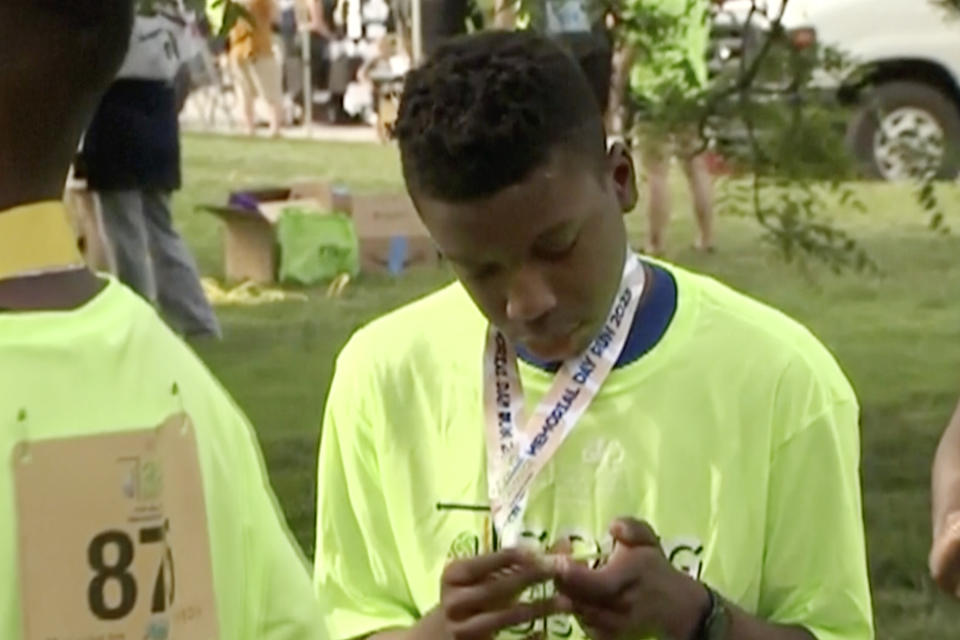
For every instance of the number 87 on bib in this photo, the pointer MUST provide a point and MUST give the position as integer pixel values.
(113, 537)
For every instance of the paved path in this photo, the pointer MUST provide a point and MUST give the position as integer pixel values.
(211, 112)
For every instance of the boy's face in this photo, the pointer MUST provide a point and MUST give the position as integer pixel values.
(543, 258)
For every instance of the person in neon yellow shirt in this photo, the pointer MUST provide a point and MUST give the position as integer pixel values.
(667, 73)
(133, 499)
(708, 489)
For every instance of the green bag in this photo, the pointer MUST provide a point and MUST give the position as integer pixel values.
(316, 247)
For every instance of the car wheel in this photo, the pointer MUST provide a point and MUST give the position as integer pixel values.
(907, 130)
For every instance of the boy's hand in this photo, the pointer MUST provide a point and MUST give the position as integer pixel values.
(637, 594)
(479, 596)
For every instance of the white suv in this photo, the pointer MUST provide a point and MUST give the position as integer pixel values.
(904, 84)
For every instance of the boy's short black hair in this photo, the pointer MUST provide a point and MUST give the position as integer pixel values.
(487, 109)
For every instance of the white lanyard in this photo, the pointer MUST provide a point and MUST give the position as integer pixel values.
(518, 448)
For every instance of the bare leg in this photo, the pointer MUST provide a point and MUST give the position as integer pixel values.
(249, 114)
(276, 119)
(657, 167)
(268, 79)
(701, 187)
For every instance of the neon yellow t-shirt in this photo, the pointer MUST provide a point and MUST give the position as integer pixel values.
(109, 367)
(736, 437)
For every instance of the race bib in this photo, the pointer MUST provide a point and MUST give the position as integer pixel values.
(113, 537)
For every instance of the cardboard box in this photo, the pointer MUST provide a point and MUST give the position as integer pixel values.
(392, 237)
(390, 233)
(249, 238)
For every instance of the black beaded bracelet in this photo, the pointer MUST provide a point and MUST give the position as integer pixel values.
(703, 626)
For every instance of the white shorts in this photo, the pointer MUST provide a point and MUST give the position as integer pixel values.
(260, 77)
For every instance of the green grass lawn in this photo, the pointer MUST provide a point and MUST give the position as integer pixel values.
(897, 335)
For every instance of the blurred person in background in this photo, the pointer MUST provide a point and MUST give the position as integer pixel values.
(131, 156)
(676, 68)
(290, 15)
(362, 25)
(256, 70)
(314, 19)
(387, 63)
(289, 23)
